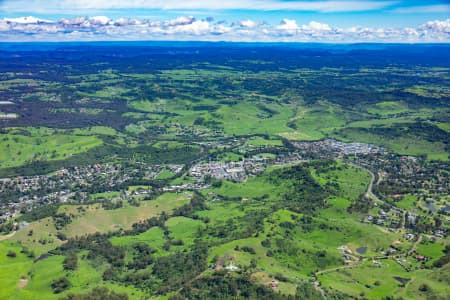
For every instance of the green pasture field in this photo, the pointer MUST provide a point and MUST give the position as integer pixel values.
(230, 156)
(375, 282)
(246, 118)
(13, 269)
(169, 145)
(154, 237)
(388, 108)
(42, 239)
(361, 280)
(180, 229)
(429, 91)
(17, 149)
(104, 93)
(105, 195)
(183, 228)
(97, 219)
(253, 187)
(259, 141)
(36, 278)
(315, 122)
(96, 130)
(407, 202)
(431, 250)
(166, 174)
(142, 105)
(352, 180)
(93, 218)
(444, 126)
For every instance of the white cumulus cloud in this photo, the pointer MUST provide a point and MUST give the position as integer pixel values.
(180, 21)
(316, 26)
(27, 20)
(190, 28)
(248, 23)
(437, 26)
(288, 26)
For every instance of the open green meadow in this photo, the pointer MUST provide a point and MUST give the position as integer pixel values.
(19, 146)
(97, 219)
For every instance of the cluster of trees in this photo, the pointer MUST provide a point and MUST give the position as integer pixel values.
(142, 257)
(250, 224)
(6, 227)
(70, 263)
(11, 254)
(145, 225)
(362, 205)
(40, 212)
(111, 205)
(303, 193)
(98, 293)
(98, 246)
(443, 260)
(61, 220)
(224, 285)
(160, 274)
(177, 269)
(60, 285)
(196, 203)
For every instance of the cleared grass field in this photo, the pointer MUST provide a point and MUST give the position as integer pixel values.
(352, 180)
(12, 270)
(437, 282)
(390, 279)
(87, 219)
(315, 122)
(387, 108)
(42, 238)
(96, 219)
(96, 130)
(253, 187)
(407, 202)
(366, 279)
(107, 92)
(259, 141)
(230, 156)
(182, 228)
(154, 237)
(247, 118)
(18, 147)
(444, 126)
(41, 274)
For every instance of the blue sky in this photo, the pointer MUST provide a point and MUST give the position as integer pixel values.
(287, 20)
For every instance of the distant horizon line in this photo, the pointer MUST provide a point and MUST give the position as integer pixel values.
(227, 42)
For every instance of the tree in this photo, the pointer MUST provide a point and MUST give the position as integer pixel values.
(99, 293)
(11, 254)
(60, 285)
(71, 261)
(424, 288)
(307, 292)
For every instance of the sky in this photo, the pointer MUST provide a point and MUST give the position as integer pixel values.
(339, 21)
